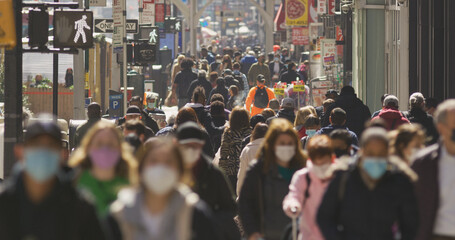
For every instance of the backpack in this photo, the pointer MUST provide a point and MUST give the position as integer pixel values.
(261, 98)
(239, 78)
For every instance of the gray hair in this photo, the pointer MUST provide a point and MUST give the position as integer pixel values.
(416, 100)
(202, 73)
(374, 133)
(440, 115)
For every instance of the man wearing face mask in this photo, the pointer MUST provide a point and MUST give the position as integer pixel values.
(435, 186)
(207, 180)
(342, 143)
(337, 120)
(39, 201)
(259, 68)
(152, 104)
(373, 199)
(275, 67)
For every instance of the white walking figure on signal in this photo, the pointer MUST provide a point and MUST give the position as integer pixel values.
(177, 26)
(153, 36)
(79, 25)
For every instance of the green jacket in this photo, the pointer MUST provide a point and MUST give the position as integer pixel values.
(257, 69)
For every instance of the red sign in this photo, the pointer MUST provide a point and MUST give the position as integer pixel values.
(339, 34)
(159, 13)
(148, 1)
(312, 12)
(331, 7)
(300, 36)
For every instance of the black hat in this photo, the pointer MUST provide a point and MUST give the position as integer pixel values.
(41, 127)
(331, 91)
(260, 78)
(190, 132)
(133, 110)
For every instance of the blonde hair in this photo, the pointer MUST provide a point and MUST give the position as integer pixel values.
(127, 165)
(303, 113)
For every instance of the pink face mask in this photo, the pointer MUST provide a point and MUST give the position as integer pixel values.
(104, 158)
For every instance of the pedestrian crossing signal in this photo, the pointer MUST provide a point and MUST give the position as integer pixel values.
(73, 29)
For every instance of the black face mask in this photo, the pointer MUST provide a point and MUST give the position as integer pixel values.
(342, 152)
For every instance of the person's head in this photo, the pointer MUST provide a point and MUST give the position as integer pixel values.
(217, 109)
(291, 66)
(198, 95)
(337, 117)
(190, 138)
(417, 100)
(377, 122)
(220, 83)
(236, 66)
(152, 101)
(259, 131)
(270, 56)
(185, 114)
(202, 74)
(327, 103)
(306, 63)
(217, 97)
(69, 71)
(102, 150)
(204, 65)
(268, 113)
(331, 94)
(132, 113)
(239, 119)
(390, 102)
(374, 151)
(312, 125)
(261, 58)
(227, 73)
(227, 59)
(274, 104)
(204, 52)
(94, 111)
(237, 55)
(180, 60)
(219, 58)
(38, 78)
(444, 118)
(187, 64)
(341, 142)
(320, 151)
(430, 105)
(281, 146)
(42, 153)
(383, 98)
(136, 101)
(277, 57)
(134, 127)
(160, 166)
(302, 114)
(213, 78)
(288, 104)
(233, 90)
(260, 80)
(406, 141)
(258, 118)
(347, 91)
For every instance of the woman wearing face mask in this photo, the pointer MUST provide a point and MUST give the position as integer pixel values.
(406, 141)
(300, 119)
(308, 186)
(373, 199)
(226, 64)
(231, 143)
(106, 165)
(160, 208)
(312, 125)
(267, 182)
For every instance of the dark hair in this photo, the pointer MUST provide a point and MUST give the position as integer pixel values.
(234, 89)
(327, 102)
(94, 111)
(274, 104)
(217, 97)
(213, 76)
(383, 97)
(404, 135)
(268, 113)
(343, 135)
(220, 82)
(184, 115)
(136, 99)
(236, 65)
(199, 95)
(259, 131)
(347, 91)
(239, 119)
(187, 63)
(319, 146)
(227, 59)
(291, 65)
(338, 116)
(217, 108)
(135, 125)
(311, 121)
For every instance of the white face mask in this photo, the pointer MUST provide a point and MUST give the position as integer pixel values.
(191, 155)
(285, 153)
(159, 179)
(321, 170)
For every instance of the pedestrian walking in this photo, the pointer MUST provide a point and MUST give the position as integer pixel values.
(259, 97)
(246, 62)
(220, 89)
(390, 113)
(338, 119)
(406, 141)
(259, 68)
(287, 108)
(200, 81)
(183, 80)
(234, 99)
(94, 115)
(342, 143)
(312, 125)
(242, 79)
(300, 119)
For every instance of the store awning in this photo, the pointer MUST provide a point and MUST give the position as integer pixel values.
(280, 19)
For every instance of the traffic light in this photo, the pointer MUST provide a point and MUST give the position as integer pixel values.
(129, 54)
(144, 53)
(73, 29)
(38, 27)
(169, 24)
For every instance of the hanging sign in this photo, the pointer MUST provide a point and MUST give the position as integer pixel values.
(296, 12)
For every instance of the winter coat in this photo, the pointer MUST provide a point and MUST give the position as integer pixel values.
(426, 165)
(392, 117)
(230, 150)
(357, 113)
(257, 69)
(246, 63)
(301, 130)
(289, 76)
(185, 218)
(200, 81)
(327, 130)
(250, 101)
(72, 217)
(417, 115)
(183, 80)
(283, 113)
(368, 214)
(247, 156)
(260, 202)
(272, 68)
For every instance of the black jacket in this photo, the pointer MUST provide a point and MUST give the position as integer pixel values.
(221, 90)
(417, 115)
(260, 202)
(289, 76)
(283, 113)
(183, 80)
(199, 82)
(357, 113)
(368, 214)
(272, 68)
(213, 187)
(62, 215)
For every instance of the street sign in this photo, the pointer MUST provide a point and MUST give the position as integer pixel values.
(115, 104)
(7, 26)
(148, 12)
(107, 25)
(118, 6)
(97, 3)
(73, 29)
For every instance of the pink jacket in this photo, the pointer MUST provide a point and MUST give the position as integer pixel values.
(309, 229)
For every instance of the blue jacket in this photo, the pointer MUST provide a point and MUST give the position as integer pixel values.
(327, 130)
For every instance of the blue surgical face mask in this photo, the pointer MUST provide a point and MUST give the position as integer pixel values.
(41, 163)
(276, 59)
(375, 167)
(310, 132)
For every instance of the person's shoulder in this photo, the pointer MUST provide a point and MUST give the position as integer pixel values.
(426, 155)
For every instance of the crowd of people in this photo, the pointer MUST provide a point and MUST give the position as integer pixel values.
(238, 163)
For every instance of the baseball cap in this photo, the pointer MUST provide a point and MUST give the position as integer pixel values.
(390, 101)
(133, 110)
(260, 78)
(41, 127)
(190, 132)
(287, 103)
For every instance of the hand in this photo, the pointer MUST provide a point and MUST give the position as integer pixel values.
(255, 236)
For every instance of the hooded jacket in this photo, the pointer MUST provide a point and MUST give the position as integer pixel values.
(392, 117)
